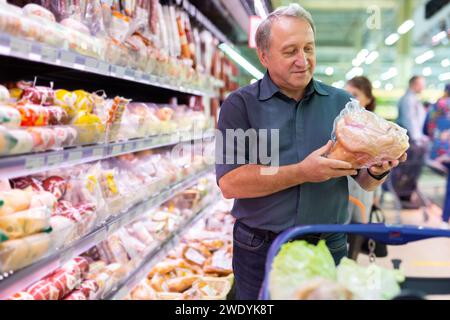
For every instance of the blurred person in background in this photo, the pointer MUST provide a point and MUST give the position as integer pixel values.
(411, 116)
(360, 201)
(437, 127)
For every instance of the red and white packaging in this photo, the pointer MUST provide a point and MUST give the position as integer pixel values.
(21, 296)
(65, 281)
(89, 288)
(76, 295)
(78, 266)
(44, 290)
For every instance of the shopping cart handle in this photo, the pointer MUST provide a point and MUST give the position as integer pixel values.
(388, 234)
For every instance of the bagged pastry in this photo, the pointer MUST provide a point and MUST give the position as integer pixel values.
(364, 139)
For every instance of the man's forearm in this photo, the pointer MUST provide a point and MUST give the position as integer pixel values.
(249, 181)
(367, 182)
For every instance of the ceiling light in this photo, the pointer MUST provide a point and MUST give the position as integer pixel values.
(444, 76)
(391, 39)
(426, 71)
(376, 84)
(445, 63)
(240, 60)
(425, 57)
(372, 57)
(329, 71)
(392, 72)
(354, 72)
(338, 84)
(260, 9)
(388, 86)
(438, 37)
(405, 27)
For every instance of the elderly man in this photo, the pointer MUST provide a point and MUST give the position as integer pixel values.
(307, 188)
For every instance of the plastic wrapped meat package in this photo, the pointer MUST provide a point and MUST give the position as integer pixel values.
(139, 121)
(111, 192)
(365, 139)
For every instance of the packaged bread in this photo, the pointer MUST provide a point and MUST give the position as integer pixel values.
(364, 139)
(9, 117)
(20, 224)
(14, 200)
(16, 254)
(34, 10)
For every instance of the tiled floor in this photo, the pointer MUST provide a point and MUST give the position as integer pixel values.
(426, 258)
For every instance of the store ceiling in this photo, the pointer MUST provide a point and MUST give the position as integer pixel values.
(342, 31)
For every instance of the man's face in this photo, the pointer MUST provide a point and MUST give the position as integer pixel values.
(291, 57)
(419, 85)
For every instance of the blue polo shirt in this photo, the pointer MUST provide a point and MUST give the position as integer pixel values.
(304, 126)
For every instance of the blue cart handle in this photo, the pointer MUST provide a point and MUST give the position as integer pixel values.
(388, 234)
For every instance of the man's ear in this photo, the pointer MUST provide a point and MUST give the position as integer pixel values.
(262, 54)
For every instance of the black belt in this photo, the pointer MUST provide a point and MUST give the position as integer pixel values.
(270, 235)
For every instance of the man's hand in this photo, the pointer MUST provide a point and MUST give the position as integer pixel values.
(385, 166)
(317, 168)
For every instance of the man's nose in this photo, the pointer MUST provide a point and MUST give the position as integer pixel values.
(300, 60)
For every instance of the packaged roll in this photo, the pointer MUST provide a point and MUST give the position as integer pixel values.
(63, 230)
(55, 185)
(44, 199)
(15, 200)
(89, 288)
(33, 115)
(57, 116)
(24, 223)
(43, 138)
(76, 295)
(16, 254)
(65, 282)
(7, 141)
(365, 139)
(44, 290)
(4, 94)
(9, 116)
(66, 100)
(25, 182)
(43, 96)
(75, 25)
(78, 266)
(24, 142)
(34, 10)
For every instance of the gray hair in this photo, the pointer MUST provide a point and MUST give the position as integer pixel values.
(264, 30)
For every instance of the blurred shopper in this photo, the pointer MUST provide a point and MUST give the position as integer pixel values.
(411, 117)
(361, 201)
(306, 187)
(437, 128)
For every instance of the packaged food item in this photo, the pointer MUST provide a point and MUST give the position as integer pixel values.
(38, 95)
(43, 138)
(79, 266)
(21, 224)
(65, 282)
(365, 139)
(25, 182)
(33, 115)
(14, 200)
(7, 141)
(76, 295)
(34, 10)
(44, 290)
(21, 296)
(115, 112)
(89, 288)
(24, 142)
(16, 254)
(75, 25)
(9, 117)
(64, 230)
(57, 116)
(66, 136)
(4, 94)
(56, 185)
(90, 127)
(66, 100)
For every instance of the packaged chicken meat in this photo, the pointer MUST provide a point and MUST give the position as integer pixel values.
(364, 139)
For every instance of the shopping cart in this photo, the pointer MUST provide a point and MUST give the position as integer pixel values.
(391, 235)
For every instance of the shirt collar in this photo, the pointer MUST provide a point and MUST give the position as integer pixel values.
(267, 88)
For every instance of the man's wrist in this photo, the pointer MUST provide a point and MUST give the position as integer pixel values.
(378, 177)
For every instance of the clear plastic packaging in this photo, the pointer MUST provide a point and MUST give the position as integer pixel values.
(24, 223)
(363, 138)
(16, 254)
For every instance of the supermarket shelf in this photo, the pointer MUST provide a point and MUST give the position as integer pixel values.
(155, 256)
(17, 281)
(41, 53)
(17, 166)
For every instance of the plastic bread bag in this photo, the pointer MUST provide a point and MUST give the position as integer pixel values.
(34, 10)
(364, 139)
(16, 254)
(10, 117)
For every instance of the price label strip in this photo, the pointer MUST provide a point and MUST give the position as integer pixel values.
(34, 162)
(55, 159)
